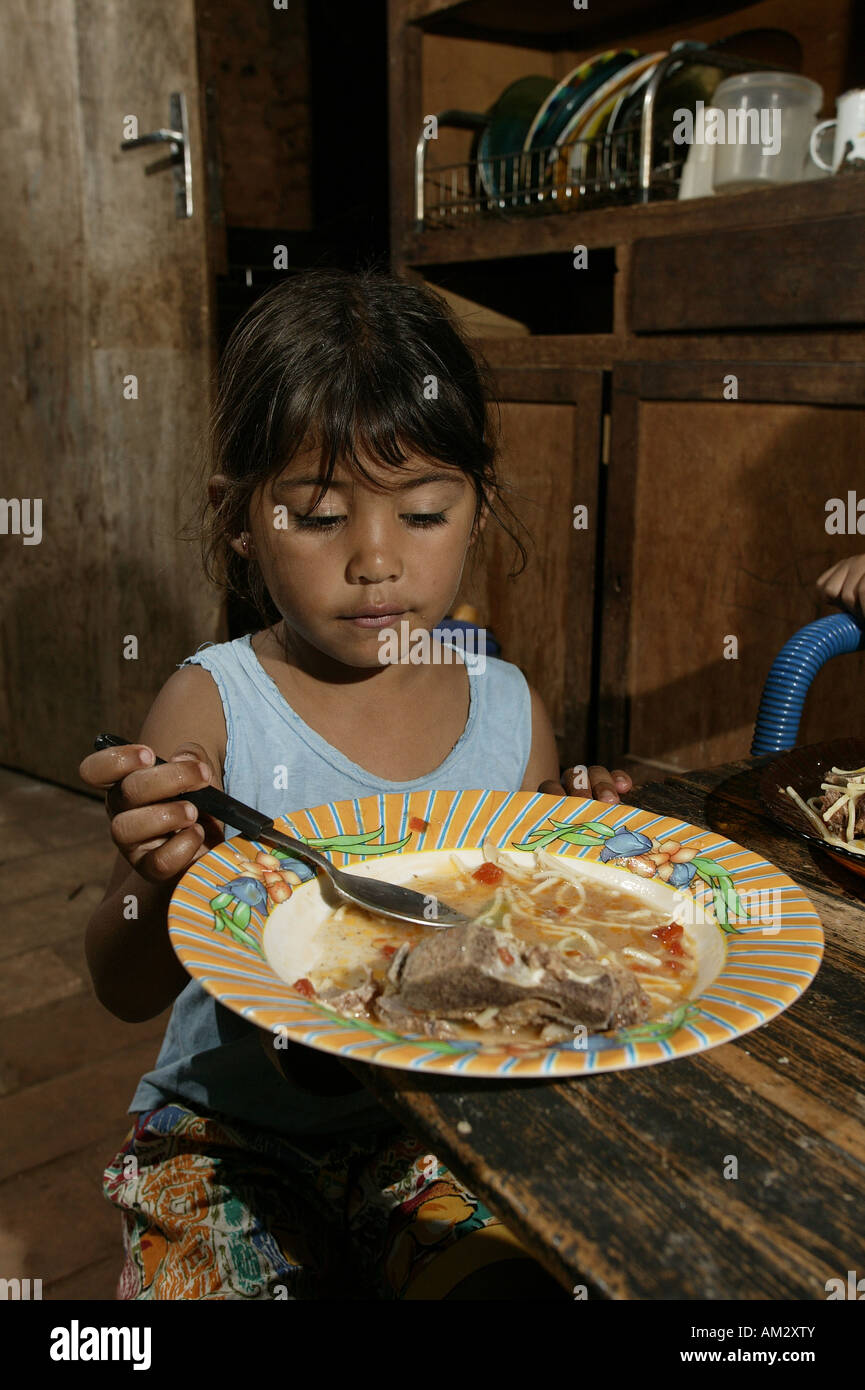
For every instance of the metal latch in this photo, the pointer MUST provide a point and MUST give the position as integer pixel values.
(179, 160)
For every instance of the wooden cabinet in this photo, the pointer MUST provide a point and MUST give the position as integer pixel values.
(551, 427)
(715, 532)
(708, 522)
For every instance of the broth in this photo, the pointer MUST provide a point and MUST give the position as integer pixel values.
(583, 918)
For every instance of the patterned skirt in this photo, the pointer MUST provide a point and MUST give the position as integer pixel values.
(213, 1209)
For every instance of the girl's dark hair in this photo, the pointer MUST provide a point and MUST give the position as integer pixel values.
(350, 362)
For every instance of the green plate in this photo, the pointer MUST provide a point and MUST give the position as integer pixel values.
(504, 135)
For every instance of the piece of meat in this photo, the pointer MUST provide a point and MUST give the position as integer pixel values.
(392, 1012)
(456, 973)
(837, 822)
(355, 1001)
(397, 963)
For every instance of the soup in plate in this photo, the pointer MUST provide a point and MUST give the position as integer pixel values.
(551, 949)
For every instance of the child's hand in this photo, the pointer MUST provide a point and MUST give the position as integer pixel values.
(844, 585)
(603, 785)
(159, 837)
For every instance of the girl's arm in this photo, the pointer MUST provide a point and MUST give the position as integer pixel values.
(543, 773)
(543, 764)
(133, 966)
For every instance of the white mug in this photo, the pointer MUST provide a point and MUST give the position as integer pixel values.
(849, 129)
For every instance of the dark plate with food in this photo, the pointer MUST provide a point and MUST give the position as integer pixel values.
(818, 792)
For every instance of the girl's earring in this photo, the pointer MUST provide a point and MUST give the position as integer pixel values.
(244, 541)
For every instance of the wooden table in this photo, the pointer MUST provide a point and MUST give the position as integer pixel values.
(617, 1182)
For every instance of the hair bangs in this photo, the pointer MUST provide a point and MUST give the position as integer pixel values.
(374, 417)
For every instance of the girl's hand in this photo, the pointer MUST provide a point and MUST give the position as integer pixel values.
(603, 785)
(844, 585)
(157, 836)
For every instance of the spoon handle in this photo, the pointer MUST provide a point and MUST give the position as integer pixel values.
(251, 823)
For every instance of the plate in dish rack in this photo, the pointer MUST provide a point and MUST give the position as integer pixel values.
(759, 940)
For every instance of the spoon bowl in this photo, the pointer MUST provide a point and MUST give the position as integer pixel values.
(371, 894)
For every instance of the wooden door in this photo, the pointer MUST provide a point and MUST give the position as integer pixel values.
(106, 347)
(716, 531)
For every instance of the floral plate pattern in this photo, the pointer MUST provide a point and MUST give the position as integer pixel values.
(219, 909)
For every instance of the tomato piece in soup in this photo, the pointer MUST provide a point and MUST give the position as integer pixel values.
(668, 934)
(489, 873)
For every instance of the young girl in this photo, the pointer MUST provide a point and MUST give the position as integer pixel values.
(352, 469)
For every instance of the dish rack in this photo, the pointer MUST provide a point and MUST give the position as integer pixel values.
(622, 166)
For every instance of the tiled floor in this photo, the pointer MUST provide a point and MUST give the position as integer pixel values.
(68, 1068)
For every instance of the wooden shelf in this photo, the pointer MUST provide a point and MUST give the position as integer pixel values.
(492, 238)
(551, 24)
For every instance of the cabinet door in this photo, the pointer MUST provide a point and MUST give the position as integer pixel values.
(715, 532)
(551, 422)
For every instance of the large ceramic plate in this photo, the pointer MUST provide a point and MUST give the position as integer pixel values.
(681, 88)
(228, 934)
(555, 112)
(586, 120)
(501, 168)
(591, 118)
(624, 98)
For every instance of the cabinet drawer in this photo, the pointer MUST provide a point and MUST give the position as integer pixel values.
(807, 274)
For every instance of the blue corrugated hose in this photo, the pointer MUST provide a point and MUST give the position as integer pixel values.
(793, 670)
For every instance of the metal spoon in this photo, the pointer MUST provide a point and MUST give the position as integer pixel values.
(372, 894)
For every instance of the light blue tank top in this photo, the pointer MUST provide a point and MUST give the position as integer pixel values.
(209, 1055)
